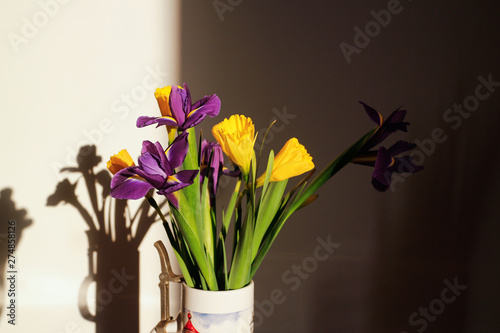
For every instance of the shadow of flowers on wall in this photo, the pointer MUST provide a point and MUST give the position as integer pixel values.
(114, 236)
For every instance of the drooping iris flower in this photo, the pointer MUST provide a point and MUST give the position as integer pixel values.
(292, 160)
(236, 137)
(395, 122)
(156, 169)
(212, 164)
(386, 161)
(177, 111)
(119, 161)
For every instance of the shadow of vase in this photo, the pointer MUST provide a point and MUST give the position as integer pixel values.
(115, 304)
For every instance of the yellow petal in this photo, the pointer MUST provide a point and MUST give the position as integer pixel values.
(119, 161)
(163, 97)
(292, 160)
(236, 137)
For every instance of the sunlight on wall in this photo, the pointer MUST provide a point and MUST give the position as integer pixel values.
(75, 73)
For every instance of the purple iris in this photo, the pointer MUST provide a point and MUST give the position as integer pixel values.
(212, 165)
(386, 161)
(156, 169)
(183, 114)
(395, 122)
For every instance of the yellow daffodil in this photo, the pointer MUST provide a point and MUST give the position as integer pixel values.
(236, 136)
(292, 160)
(119, 161)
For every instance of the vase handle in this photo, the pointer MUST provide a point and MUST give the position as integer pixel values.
(83, 305)
(166, 276)
(82, 299)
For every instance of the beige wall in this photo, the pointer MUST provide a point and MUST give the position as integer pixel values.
(65, 71)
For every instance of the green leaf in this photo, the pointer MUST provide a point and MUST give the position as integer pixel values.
(192, 268)
(308, 201)
(239, 276)
(191, 160)
(207, 229)
(188, 268)
(237, 222)
(189, 197)
(253, 168)
(268, 207)
(228, 215)
(221, 263)
(196, 250)
(185, 271)
(269, 171)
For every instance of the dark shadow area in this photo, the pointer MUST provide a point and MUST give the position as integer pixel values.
(436, 265)
(13, 221)
(400, 251)
(441, 261)
(114, 235)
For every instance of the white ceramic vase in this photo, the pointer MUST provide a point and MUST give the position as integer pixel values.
(229, 311)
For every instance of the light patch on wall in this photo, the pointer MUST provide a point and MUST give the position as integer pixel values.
(75, 73)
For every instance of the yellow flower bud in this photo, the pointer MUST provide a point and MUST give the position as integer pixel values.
(163, 98)
(119, 161)
(292, 160)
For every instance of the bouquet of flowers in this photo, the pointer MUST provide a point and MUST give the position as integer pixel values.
(187, 173)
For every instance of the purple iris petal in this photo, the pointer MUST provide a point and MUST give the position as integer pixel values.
(169, 168)
(211, 104)
(173, 199)
(207, 106)
(148, 147)
(188, 96)
(381, 177)
(212, 165)
(184, 114)
(395, 122)
(126, 185)
(381, 185)
(216, 165)
(177, 151)
(155, 170)
(403, 164)
(178, 104)
(227, 172)
(150, 166)
(155, 180)
(386, 164)
(400, 147)
(385, 161)
(178, 181)
(144, 121)
(156, 152)
(373, 114)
